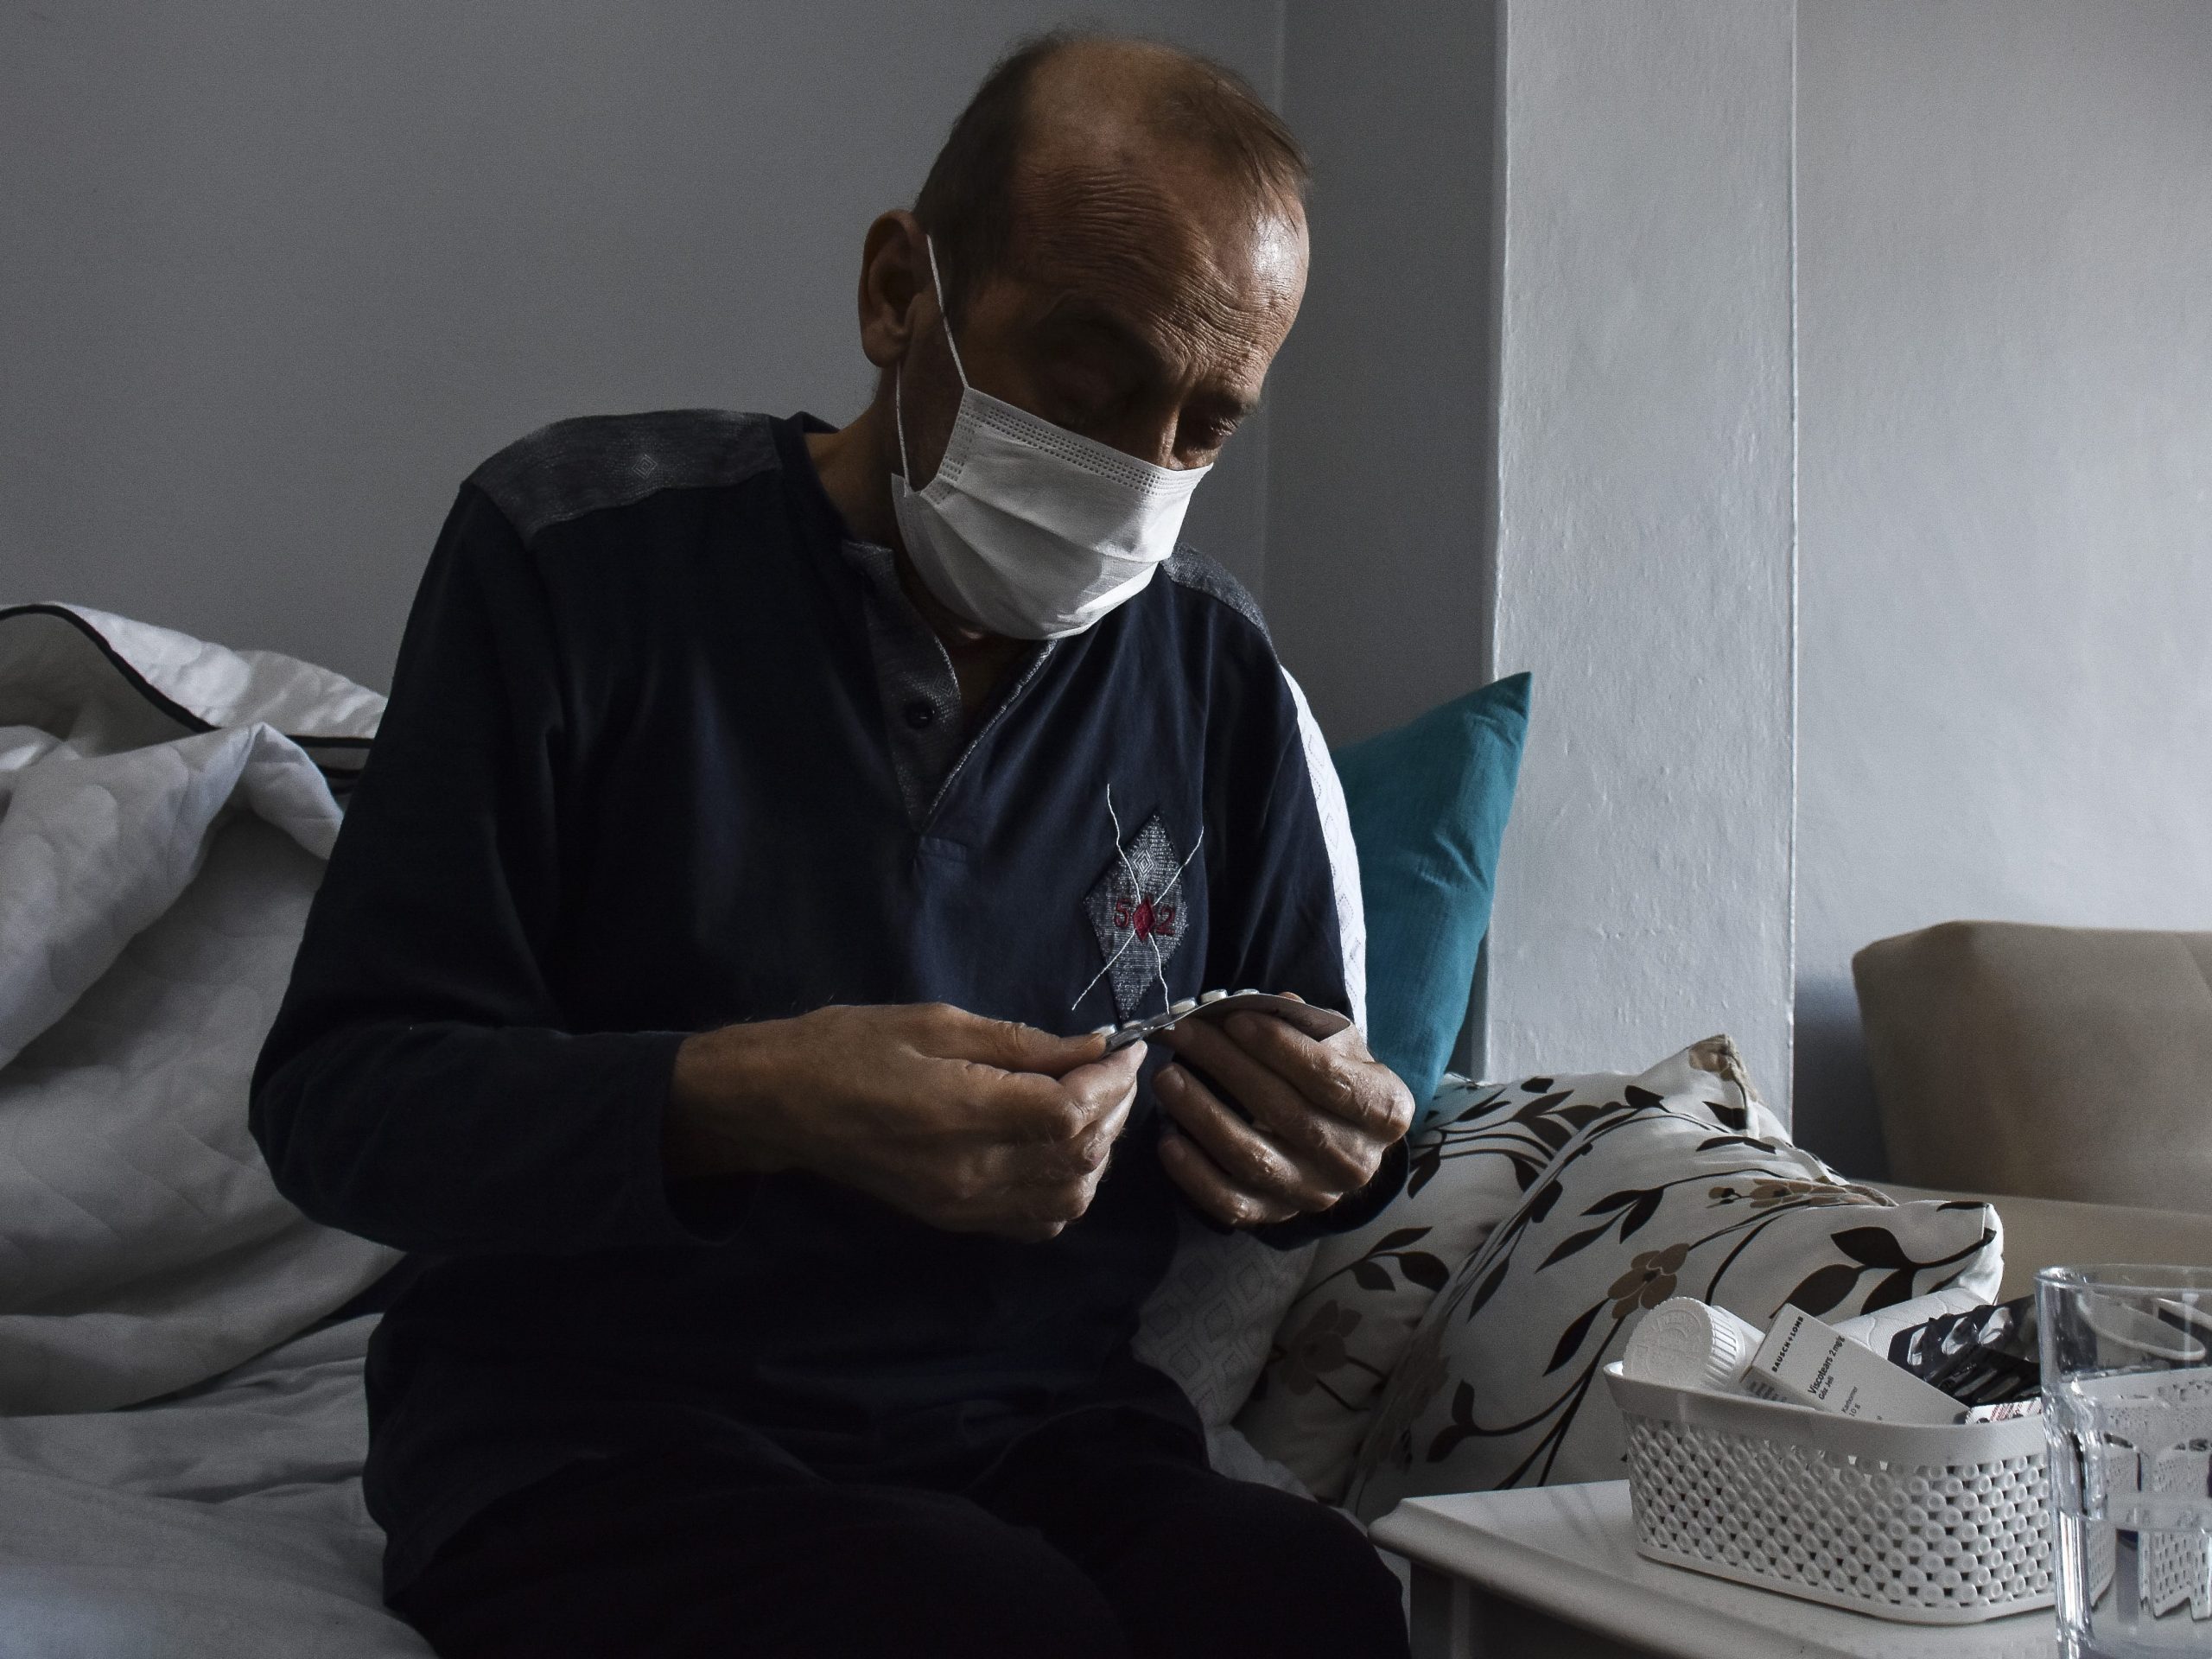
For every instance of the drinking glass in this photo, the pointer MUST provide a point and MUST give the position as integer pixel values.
(2128, 1408)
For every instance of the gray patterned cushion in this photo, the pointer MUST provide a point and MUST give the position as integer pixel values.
(1210, 1321)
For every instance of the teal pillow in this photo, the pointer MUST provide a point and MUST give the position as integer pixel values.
(1428, 805)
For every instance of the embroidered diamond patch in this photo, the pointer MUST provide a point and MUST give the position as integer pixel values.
(1136, 910)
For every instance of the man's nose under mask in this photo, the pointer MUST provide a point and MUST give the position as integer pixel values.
(1030, 530)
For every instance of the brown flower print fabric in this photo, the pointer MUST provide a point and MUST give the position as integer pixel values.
(1488, 1147)
(1654, 1195)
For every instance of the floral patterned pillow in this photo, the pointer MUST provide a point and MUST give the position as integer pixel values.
(1489, 1145)
(1651, 1198)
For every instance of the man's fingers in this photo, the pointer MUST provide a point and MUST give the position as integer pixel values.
(1314, 1134)
(1098, 1083)
(1248, 1048)
(1330, 1076)
(1080, 1157)
(955, 1034)
(1025, 1106)
(1095, 1144)
(1251, 1161)
(1204, 1184)
(1025, 1232)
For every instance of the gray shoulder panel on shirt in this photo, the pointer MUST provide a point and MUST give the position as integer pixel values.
(572, 467)
(1188, 567)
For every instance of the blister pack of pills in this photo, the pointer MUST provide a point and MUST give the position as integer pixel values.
(1318, 1023)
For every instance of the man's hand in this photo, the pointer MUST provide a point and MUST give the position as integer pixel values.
(1322, 1114)
(970, 1124)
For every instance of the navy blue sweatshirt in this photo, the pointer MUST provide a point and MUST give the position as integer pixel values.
(668, 748)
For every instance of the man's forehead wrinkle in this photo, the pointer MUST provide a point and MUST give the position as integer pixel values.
(1096, 118)
(1149, 253)
(1191, 332)
(1071, 221)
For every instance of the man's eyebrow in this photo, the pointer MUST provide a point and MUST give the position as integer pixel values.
(1074, 312)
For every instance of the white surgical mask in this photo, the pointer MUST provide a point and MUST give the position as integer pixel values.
(1028, 529)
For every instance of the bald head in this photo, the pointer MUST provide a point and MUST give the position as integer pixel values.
(1068, 112)
(1143, 104)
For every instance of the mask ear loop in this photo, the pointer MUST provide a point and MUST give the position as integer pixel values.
(898, 377)
(898, 419)
(929, 245)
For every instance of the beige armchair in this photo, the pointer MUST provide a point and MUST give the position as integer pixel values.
(2063, 1073)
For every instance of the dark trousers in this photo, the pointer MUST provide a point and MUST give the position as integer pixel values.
(1112, 1539)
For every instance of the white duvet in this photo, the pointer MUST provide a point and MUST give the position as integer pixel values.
(160, 839)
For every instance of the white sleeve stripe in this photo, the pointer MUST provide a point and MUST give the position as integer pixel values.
(1343, 856)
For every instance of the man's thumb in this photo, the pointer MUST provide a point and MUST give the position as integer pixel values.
(1013, 1046)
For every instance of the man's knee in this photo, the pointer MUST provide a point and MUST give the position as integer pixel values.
(947, 1579)
(1248, 1567)
(810, 1572)
(1317, 1564)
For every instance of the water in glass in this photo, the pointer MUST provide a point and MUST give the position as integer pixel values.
(2127, 1405)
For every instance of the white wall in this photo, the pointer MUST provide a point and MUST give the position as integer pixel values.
(1381, 430)
(2005, 338)
(1644, 536)
(274, 277)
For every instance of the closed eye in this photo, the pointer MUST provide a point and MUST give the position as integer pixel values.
(1203, 433)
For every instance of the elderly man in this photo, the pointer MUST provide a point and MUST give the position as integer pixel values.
(756, 805)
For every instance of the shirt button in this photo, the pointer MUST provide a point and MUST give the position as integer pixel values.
(919, 714)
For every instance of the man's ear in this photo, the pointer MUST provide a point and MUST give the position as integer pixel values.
(895, 295)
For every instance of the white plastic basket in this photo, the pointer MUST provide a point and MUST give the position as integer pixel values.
(1944, 1525)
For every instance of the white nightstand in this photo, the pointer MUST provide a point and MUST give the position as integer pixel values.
(1553, 1570)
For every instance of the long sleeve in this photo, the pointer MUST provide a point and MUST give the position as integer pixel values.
(418, 1087)
(1281, 933)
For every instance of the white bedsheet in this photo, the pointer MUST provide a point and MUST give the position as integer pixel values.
(223, 1523)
